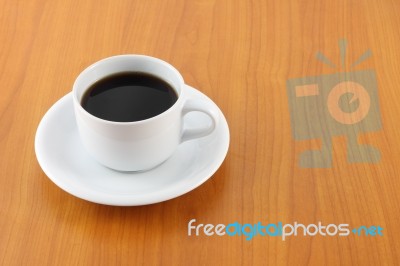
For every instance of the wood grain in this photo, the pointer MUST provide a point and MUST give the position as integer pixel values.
(239, 53)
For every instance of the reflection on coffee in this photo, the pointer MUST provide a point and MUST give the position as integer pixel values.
(128, 97)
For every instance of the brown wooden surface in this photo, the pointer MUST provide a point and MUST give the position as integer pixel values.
(240, 53)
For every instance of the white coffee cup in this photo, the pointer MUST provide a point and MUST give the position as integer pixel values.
(139, 145)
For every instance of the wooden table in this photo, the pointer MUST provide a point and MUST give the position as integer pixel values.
(241, 54)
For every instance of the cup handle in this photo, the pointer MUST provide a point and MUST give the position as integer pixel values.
(199, 105)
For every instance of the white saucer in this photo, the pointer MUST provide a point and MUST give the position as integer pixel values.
(62, 157)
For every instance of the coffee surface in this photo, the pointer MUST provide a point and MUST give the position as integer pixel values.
(128, 97)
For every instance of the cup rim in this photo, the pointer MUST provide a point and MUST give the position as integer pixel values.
(147, 57)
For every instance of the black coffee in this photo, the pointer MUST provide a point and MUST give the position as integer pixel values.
(128, 97)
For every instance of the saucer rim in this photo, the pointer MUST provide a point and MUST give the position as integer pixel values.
(89, 194)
